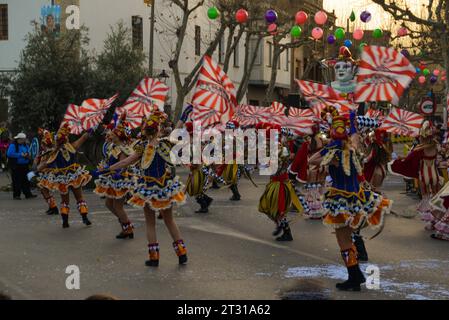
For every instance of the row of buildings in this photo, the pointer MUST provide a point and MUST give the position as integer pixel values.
(17, 16)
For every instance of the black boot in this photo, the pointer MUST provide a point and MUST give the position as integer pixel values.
(65, 221)
(278, 230)
(235, 193)
(204, 202)
(86, 221)
(287, 235)
(355, 279)
(53, 211)
(362, 255)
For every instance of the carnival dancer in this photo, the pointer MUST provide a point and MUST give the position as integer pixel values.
(61, 173)
(379, 155)
(313, 177)
(440, 206)
(421, 164)
(46, 145)
(348, 205)
(114, 186)
(279, 194)
(197, 181)
(156, 189)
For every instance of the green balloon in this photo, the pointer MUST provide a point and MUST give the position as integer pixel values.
(378, 33)
(362, 45)
(296, 31)
(340, 33)
(426, 72)
(352, 16)
(213, 13)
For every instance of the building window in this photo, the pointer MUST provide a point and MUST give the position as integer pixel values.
(259, 54)
(3, 22)
(236, 53)
(287, 59)
(270, 54)
(197, 40)
(221, 50)
(137, 32)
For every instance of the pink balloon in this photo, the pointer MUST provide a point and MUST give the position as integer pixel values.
(272, 27)
(320, 17)
(358, 34)
(436, 72)
(317, 33)
(301, 17)
(443, 78)
(422, 79)
(402, 32)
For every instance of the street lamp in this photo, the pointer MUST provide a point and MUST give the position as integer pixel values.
(163, 76)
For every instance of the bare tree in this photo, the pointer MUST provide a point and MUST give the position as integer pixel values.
(428, 29)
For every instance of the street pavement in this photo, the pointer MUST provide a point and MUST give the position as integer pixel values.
(232, 254)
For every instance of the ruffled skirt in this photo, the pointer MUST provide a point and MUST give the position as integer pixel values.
(158, 194)
(354, 209)
(113, 185)
(278, 197)
(61, 180)
(314, 196)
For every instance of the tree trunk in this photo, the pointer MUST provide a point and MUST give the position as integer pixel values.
(274, 72)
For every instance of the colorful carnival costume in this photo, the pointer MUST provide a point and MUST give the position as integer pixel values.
(347, 203)
(115, 185)
(379, 154)
(279, 194)
(312, 177)
(61, 173)
(155, 189)
(46, 146)
(421, 164)
(440, 205)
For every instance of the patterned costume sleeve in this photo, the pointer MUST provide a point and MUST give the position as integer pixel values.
(139, 147)
(164, 149)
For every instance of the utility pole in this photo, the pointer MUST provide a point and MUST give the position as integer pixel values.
(151, 3)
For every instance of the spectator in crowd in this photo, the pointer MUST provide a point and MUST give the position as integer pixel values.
(19, 160)
(4, 143)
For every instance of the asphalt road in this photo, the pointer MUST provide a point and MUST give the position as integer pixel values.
(231, 254)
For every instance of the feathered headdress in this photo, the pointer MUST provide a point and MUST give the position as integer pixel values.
(154, 120)
(339, 123)
(427, 129)
(63, 134)
(46, 136)
(120, 127)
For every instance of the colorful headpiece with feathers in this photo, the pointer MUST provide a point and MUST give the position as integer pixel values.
(339, 123)
(120, 127)
(47, 138)
(62, 136)
(154, 120)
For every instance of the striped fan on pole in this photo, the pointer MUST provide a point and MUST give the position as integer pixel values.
(301, 113)
(249, 116)
(74, 117)
(214, 98)
(402, 122)
(300, 126)
(321, 96)
(134, 120)
(277, 109)
(383, 75)
(94, 111)
(150, 94)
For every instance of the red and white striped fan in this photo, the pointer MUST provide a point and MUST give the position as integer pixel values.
(95, 110)
(149, 94)
(74, 117)
(383, 75)
(301, 113)
(206, 116)
(249, 116)
(321, 96)
(276, 109)
(134, 120)
(402, 122)
(300, 126)
(214, 94)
